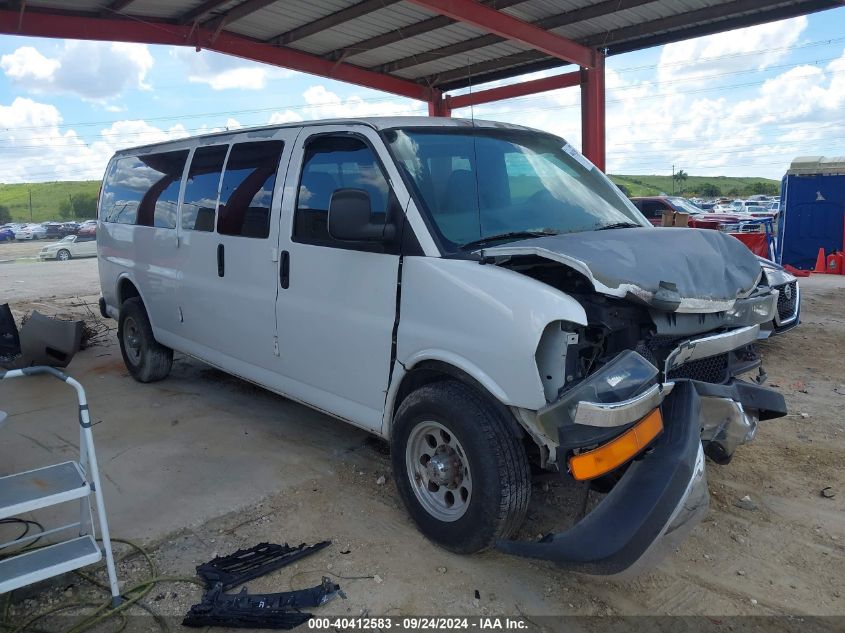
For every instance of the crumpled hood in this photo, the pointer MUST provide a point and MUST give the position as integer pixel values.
(709, 269)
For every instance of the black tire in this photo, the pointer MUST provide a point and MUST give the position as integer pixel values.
(145, 358)
(498, 466)
(67, 256)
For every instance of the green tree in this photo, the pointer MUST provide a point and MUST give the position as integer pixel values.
(5, 214)
(680, 177)
(764, 188)
(66, 209)
(82, 206)
(709, 190)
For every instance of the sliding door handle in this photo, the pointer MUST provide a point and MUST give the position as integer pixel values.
(221, 261)
(284, 270)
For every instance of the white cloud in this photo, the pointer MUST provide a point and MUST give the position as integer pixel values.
(95, 71)
(224, 72)
(322, 103)
(729, 52)
(38, 148)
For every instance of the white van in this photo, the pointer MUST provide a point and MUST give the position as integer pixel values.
(479, 294)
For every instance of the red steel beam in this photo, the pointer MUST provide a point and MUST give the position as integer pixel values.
(566, 80)
(146, 32)
(509, 27)
(593, 113)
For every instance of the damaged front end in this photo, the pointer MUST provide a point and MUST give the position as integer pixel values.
(640, 394)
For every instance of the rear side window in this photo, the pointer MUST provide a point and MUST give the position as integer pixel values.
(246, 193)
(143, 190)
(200, 200)
(652, 208)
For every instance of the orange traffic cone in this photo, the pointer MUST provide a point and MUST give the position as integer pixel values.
(821, 262)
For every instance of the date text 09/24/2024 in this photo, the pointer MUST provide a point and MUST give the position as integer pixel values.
(419, 623)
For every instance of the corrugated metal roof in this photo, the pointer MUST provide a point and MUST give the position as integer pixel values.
(404, 40)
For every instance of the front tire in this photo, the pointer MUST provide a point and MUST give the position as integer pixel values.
(63, 255)
(459, 467)
(145, 358)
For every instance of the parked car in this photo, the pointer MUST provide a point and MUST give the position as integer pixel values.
(87, 230)
(70, 247)
(652, 207)
(7, 235)
(53, 230)
(31, 232)
(478, 294)
(69, 228)
(788, 314)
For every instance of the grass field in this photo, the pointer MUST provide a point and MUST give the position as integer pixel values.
(655, 185)
(46, 196)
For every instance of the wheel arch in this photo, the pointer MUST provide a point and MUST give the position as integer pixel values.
(431, 370)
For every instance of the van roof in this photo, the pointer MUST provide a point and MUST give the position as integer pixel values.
(377, 123)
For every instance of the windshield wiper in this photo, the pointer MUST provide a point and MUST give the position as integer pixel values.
(513, 235)
(619, 225)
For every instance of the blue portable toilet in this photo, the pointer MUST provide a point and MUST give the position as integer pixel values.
(812, 210)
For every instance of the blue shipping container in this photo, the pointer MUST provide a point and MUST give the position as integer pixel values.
(812, 216)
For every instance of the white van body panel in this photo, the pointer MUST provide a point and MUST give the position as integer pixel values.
(336, 318)
(482, 319)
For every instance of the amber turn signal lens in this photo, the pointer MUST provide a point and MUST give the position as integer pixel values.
(610, 456)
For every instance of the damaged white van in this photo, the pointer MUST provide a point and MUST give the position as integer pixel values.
(477, 293)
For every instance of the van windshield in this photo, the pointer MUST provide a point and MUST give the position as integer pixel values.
(483, 186)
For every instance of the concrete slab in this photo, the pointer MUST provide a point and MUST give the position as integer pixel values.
(174, 453)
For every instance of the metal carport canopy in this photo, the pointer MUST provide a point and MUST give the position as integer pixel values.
(419, 49)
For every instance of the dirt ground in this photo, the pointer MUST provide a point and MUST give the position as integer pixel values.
(279, 472)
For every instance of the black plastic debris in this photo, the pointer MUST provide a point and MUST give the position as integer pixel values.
(246, 564)
(10, 343)
(259, 611)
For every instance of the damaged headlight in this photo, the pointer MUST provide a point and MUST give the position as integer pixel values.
(623, 378)
(752, 311)
(774, 274)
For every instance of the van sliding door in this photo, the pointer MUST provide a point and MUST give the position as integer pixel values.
(230, 253)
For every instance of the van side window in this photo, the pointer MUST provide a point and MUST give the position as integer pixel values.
(144, 189)
(200, 201)
(333, 163)
(247, 190)
(158, 206)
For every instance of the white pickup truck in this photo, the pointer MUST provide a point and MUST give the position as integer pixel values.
(477, 293)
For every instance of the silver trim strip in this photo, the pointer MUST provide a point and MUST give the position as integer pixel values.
(707, 346)
(794, 316)
(611, 414)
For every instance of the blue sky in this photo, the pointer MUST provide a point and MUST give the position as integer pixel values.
(740, 103)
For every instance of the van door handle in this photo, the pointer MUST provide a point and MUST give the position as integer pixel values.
(284, 270)
(221, 261)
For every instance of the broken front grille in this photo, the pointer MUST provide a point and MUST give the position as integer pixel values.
(713, 369)
(787, 300)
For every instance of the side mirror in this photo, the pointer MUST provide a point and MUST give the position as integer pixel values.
(350, 218)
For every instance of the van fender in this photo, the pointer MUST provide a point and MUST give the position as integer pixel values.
(485, 320)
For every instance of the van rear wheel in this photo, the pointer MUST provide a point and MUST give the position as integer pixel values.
(460, 469)
(145, 358)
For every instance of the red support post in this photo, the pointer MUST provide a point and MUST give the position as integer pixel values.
(592, 113)
(439, 106)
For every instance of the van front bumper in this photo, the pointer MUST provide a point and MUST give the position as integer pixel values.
(663, 492)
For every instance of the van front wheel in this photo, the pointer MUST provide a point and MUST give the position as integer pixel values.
(145, 358)
(460, 469)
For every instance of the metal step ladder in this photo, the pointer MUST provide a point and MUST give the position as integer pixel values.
(49, 486)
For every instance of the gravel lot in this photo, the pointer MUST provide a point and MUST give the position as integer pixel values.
(203, 463)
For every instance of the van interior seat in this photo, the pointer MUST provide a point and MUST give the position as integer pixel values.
(460, 194)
